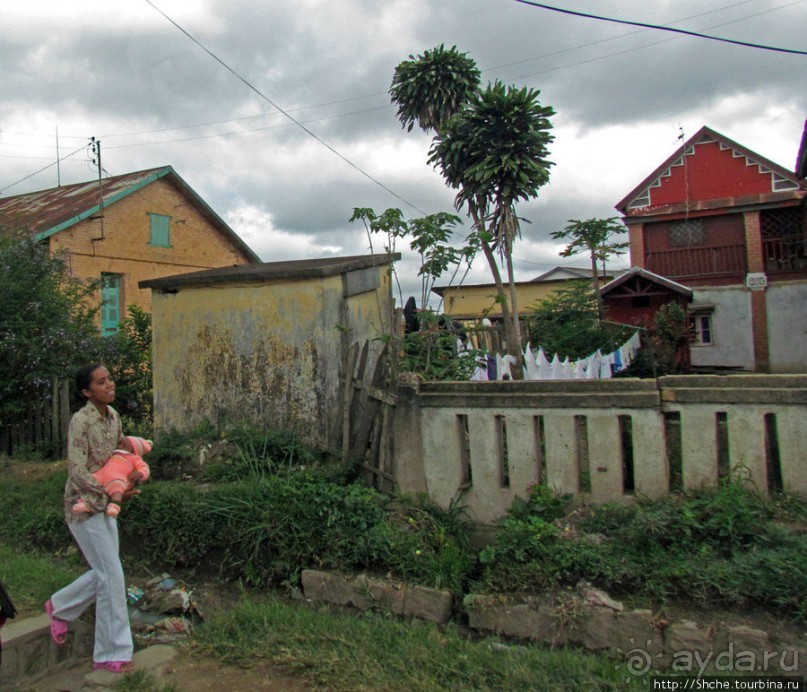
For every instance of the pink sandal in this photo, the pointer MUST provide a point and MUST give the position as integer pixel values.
(114, 666)
(58, 627)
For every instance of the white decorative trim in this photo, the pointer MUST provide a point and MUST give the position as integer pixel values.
(756, 281)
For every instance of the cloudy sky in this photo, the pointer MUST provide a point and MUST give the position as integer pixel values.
(203, 93)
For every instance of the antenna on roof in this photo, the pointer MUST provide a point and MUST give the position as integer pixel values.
(95, 145)
(58, 165)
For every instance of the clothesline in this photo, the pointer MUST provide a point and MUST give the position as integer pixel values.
(539, 366)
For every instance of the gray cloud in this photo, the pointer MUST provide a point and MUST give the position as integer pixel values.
(156, 98)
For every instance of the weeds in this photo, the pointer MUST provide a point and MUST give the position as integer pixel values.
(719, 546)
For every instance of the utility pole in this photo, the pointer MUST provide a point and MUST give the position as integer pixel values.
(95, 144)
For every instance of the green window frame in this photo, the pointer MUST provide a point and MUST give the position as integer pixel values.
(159, 230)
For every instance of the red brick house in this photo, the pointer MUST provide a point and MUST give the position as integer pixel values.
(127, 229)
(732, 225)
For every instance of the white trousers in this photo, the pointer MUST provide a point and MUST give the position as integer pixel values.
(104, 584)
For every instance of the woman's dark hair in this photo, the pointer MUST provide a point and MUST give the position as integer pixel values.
(84, 378)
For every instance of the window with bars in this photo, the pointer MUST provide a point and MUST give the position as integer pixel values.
(784, 241)
(687, 233)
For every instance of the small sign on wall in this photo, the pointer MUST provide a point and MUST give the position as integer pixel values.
(756, 281)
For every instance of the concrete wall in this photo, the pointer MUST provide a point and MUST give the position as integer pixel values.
(195, 242)
(787, 326)
(269, 352)
(731, 323)
(579, 437)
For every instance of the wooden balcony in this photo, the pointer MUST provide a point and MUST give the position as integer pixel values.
(682, 263)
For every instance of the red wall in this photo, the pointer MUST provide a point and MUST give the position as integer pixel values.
(710, 174)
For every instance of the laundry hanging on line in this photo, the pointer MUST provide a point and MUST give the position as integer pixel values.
(539, 366)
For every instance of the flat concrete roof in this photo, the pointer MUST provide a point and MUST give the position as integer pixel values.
(293, 270)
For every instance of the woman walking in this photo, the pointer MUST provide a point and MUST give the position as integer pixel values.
(95, 432)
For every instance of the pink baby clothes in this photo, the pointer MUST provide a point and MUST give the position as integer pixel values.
(114, 474)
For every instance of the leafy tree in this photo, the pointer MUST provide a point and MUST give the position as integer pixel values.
(428, 235)
(593, 236)
(491, 146)
(567, 323)
(47, 327)
(127, 354)
(430, 88)
(430, 350)
(666, 344)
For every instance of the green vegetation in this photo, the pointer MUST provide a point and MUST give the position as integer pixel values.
(727, 547)
(491, 145)
(275, 509)
(268, 508)
(342, 651)
(566, 322)
(593, 236)
(46, 328)
(31, 577)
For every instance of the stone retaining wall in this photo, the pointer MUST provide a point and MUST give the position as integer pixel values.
(29, 652)
(587, 618)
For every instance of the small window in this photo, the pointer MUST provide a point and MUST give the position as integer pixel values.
(702, 328)
(160, 230)
(687, 233)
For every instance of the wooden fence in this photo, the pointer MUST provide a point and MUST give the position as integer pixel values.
(42, 427)
(368, 405)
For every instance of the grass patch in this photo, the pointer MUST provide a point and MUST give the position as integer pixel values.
(31, 577)
(342, 651)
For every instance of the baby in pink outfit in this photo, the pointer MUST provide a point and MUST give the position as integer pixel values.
(118, 473)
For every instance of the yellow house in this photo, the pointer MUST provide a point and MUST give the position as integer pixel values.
(473, 302)
(266, 343)
(129, 228)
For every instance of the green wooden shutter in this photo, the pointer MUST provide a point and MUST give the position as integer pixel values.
(110, 303)
(160, 227)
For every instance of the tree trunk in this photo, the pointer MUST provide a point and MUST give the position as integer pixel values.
(514, 346)
(595, 281)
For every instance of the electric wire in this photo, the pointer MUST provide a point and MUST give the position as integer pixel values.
(50, 165)
(285, 113)
(658, 27)
(108, 136)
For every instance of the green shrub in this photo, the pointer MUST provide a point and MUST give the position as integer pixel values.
(718, 546)
(427, 545)
(260, 453)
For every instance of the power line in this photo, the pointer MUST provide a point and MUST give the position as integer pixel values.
(50, 165)
(660, 28)
(288, 115)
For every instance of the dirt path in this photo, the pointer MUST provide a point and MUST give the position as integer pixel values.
(185, 673)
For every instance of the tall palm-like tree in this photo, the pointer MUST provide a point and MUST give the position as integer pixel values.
(491, 146)
(493, 152)
(430, 88)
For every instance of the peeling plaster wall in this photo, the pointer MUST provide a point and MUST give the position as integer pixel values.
(269, 353)
(787, 326)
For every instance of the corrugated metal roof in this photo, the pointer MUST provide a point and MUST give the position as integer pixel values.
(47, 212)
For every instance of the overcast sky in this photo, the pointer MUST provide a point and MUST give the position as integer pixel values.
(122, 72)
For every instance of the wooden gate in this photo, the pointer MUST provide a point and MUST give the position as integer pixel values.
(367, 416)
